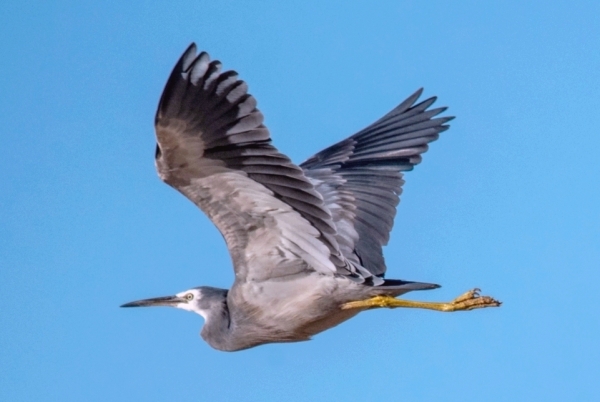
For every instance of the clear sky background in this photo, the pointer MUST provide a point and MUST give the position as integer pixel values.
(506, 200)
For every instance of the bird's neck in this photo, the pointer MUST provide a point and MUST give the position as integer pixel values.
(217, 327)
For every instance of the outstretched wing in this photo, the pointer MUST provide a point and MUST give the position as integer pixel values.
(360, 177)
(213, 148)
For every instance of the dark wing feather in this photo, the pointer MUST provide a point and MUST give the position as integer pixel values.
(360, 177)
(213, 148)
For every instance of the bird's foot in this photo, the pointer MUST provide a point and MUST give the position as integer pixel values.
(468, 301)
(471, 300)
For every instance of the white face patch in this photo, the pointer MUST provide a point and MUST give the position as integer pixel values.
(192, 296)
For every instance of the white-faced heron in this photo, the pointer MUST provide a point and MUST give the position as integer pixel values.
(306, 240)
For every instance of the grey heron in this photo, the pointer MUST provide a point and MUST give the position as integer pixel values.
(305, 240)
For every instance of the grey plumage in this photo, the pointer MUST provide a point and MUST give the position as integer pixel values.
(365, 172)
(303, 239)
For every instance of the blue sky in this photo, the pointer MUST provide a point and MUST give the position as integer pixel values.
(506, 200)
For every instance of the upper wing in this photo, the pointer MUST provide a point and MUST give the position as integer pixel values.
(213, 148)
(360, 177)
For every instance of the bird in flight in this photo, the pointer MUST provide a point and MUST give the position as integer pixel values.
(305, 240)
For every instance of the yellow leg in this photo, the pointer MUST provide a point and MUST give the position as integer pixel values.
(467, 301)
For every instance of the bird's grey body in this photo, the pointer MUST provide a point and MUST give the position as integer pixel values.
(289, 310)
(304, 240)
(279, 311)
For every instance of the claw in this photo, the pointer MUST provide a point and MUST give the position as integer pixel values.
(472, 300)
(471, 294)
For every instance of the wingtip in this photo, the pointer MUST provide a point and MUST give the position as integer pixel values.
(191, 46)
(188, 57)
(411, 100)
(448, 119)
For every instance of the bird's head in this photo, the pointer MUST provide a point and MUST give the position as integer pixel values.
(197, 300)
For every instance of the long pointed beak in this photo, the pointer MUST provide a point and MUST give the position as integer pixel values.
(169, 301)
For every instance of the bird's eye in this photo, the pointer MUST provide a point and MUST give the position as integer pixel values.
(189, 297)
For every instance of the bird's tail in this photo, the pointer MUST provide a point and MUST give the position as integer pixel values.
(397, 287)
